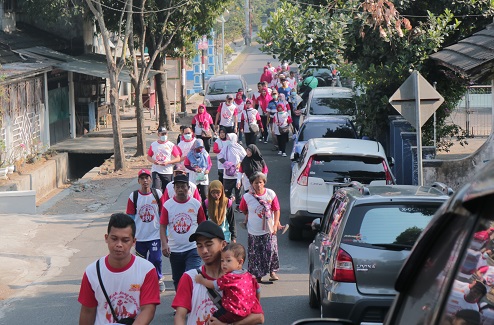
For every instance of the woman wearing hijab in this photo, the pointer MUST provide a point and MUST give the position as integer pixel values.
(252, 163)
(199, 163)
(250, 123)
(281, 122)
(219, 209)
(266, 76)
(202, 124)
(263, 103)
(231, 156)
(219, 143)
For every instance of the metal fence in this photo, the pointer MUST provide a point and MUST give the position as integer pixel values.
(474, 112)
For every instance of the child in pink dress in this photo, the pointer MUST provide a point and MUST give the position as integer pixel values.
(240, 289)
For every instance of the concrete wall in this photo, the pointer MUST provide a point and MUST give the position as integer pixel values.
(49, 176)
(456, 173)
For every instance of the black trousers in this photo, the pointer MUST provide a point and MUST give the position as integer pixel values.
(250, 138)
(264, 120)
(282, 141)
(161, 180)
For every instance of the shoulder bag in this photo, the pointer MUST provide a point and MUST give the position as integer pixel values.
(283, 129)
(253, 127)
(128, 320)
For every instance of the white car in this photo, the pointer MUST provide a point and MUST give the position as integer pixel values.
(325, 165)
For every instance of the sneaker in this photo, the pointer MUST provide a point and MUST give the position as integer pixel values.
(162, 285)
(283, 155)
(279, 152)
(265, 141)
(237, 209)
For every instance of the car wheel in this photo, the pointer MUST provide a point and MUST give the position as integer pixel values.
(313, 301)
(294, 233)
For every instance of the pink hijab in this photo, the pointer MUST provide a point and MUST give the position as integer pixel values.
(263, 100)
(266, 76)
(238, 98)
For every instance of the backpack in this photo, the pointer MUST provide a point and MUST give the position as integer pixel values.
(156, 197)
(230, 168)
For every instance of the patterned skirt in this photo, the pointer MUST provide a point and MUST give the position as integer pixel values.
(263, 254)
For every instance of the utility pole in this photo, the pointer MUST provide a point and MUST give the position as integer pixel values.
(183, 92)
(247, 22)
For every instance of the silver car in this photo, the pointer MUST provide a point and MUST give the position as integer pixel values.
(362, 241)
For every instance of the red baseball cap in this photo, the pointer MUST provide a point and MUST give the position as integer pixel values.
(144, 171)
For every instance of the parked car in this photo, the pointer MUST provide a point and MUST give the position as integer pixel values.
(330, 101)
(431, 286)
(363, 239)
(218, 87)
(322, 127)
(325, 165)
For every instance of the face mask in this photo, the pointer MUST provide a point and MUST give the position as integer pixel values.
(294, 94)
(163, 138)
(187, 136)
(275, 96)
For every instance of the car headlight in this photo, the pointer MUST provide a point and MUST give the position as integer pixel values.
(207, 102)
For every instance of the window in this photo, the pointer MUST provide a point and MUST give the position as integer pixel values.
(388, 226)
(335, 168)
(8, 5)
(332, 106)
(224, 87)
(326, 130)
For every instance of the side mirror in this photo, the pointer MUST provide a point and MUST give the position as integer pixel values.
(296, 156)
(391, 161)
(322, 321)
(316, 224)
(201, 93)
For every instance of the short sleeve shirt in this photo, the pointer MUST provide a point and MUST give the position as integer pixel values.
(163, 152)
(255, 209)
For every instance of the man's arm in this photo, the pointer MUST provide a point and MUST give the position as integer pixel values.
(165, 249)
(146, 315)
(180, 316)
(87, 315)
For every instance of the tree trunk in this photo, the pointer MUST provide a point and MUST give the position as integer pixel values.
(119, 155)
(141, 134)
(165, 109)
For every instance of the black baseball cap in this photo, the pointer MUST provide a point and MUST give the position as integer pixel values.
(207, 229)
(162, 129)
(180, 179)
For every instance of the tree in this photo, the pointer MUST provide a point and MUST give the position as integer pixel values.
(381, 41)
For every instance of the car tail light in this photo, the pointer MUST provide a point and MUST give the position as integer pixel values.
(303, 179)
(343, 271)
(389, 178)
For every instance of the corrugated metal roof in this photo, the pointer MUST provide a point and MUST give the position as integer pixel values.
(472, 56)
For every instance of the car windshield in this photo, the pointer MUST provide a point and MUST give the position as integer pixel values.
(332, 106)
(326, 130)
(224, 87)
(388, 226)
(343, 169)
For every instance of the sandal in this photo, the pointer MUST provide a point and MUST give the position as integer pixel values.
(259, 279)
(273, 277)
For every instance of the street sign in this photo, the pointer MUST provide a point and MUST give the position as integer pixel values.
(403, 100)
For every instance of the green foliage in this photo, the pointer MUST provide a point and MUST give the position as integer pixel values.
(53, 12)
(380, 46)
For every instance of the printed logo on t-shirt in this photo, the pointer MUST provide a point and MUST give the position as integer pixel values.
(204, 311)
(120, 302)
(227, 113)
(147, 213)
(163, 154)
(135, 287)
(182, 224)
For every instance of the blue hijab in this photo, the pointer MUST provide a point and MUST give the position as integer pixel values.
(198, 159)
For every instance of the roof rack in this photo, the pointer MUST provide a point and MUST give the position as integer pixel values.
(443, 188)
(360, 187)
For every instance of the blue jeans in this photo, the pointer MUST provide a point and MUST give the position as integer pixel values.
(182, 262)
(151, 250)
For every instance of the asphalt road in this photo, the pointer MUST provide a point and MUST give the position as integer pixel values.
(55, 301)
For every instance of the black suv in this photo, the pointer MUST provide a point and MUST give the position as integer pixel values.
(364, 237)
(449, 276)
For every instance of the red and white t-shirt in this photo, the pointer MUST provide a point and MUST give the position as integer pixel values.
(195, 298)
(170, 191)
(281, 119)
(227, 114)
(181, 220)
(255, 209)
(218, 145)
(147, 217)
(249, 116)
(239, 292)
(184, 147)
(128, 288)
(163, 152)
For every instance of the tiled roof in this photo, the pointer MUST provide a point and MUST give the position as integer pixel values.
(472, 56)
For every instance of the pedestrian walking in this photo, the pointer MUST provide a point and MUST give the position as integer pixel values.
(239, 101)
(231, 156)
(252, 163)
(266, 75)
(226, 116)
(250, 123)
(186, 144)
(271, 111)
(162, 154)
(263, 102)
(219, 144)
(282, 122)
(194, 299)
(262, 219)
(107, 294)
(219, 209)
(202, 124)
(199, 164)
(179, 219)
(144, 206)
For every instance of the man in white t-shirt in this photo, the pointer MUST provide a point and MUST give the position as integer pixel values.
(179, 219)
(163, 154)
(144, 205)
(226, 116)
(170, 190)
(465, 296)
(130, 282)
